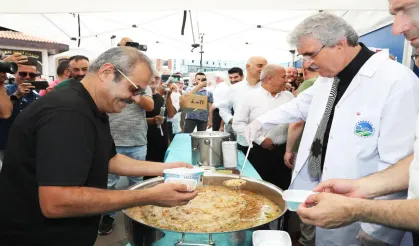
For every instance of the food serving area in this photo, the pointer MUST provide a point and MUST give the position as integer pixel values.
(181, 150)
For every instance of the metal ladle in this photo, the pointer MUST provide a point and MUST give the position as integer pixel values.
(237, 184)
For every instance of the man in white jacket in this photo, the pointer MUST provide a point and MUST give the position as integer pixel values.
(352, 199)
(350, 132)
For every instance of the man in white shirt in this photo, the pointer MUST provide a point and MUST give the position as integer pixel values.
(352, 200)
(268, 150)
(220, 94)
(349, 132)
(235, 74)
(173, 107)
(254, 68)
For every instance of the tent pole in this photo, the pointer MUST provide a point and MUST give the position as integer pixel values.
(202, 48)
(293, 57)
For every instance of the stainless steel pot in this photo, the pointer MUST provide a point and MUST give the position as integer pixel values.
(140, 234)
(207, 148)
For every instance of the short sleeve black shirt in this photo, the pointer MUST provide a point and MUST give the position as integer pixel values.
(156, 143)
(60, 140)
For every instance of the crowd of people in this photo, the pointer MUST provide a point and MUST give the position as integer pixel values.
(317, 127)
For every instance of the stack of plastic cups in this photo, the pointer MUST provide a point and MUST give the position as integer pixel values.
(230, 154)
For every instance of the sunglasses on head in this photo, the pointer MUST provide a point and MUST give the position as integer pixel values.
(31, 75)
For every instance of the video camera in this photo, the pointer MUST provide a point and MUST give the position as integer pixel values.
(136, 45)
(8, 67)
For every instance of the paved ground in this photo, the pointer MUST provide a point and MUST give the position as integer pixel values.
(117, 237)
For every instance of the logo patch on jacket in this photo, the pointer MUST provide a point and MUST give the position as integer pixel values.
(364, 129)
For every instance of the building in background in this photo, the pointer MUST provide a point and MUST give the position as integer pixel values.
(193, 66)
(12, 41)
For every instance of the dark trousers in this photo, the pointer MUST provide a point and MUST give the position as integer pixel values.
(415, 239)
(191, 124)
(216, 120)
(243, 149)
(270, 165)
(170, 130)
(156, 149)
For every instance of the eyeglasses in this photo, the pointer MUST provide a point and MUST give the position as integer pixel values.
(137, 89)
(31, 75)
(310, 58)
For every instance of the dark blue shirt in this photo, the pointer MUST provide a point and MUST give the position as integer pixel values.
(18, 106)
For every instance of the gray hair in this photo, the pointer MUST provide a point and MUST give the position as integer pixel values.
(269, 70)
(327, 28)
(123, 58)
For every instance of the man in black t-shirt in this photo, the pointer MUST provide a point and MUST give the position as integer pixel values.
(53, 181)
(157, 134)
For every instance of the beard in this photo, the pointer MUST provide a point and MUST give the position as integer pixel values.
(78, 77)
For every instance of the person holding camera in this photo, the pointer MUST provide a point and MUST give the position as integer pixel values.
(5, 104)
(171, 91)
(20, 96)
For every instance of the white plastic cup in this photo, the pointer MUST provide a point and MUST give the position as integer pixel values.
(230, 154)
(185, 173)
(293, 198)
(190, 183)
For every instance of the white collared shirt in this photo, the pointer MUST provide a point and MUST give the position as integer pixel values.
(237, 92)
(221, 93)
(255, 104)
(175, 96)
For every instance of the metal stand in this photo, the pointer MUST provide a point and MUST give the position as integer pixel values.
(281, 224)
(182, 242)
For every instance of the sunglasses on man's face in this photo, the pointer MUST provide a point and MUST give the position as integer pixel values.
(135, 91)
(31, 75)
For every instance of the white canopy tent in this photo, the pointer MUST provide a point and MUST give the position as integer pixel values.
(230, 28)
